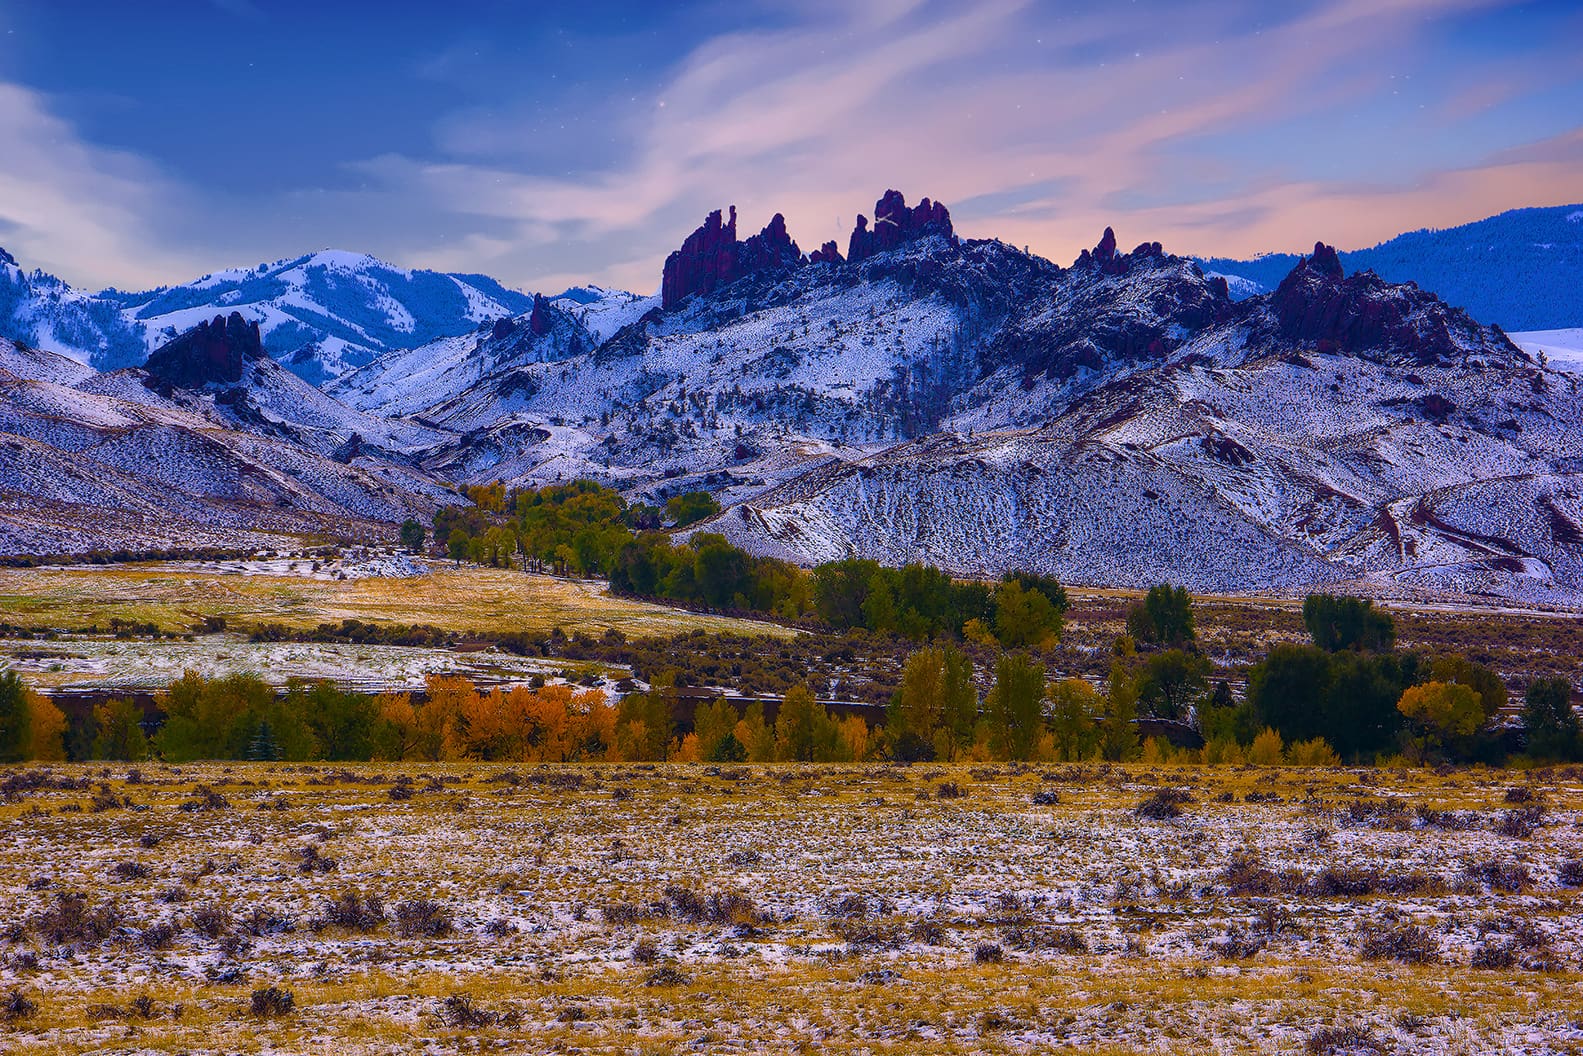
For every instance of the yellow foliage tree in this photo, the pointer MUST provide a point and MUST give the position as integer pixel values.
(1443, 711)
(46, 729)
(1267, 749)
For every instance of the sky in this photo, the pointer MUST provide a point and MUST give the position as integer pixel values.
(551, 144)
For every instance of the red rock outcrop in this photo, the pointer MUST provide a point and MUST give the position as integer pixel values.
(895, 224)
(212, 352)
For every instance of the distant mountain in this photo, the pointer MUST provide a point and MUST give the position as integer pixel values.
(1521, 270)
(322, 314)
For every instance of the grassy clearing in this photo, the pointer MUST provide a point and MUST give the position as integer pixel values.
(639, 908)
(176, 596)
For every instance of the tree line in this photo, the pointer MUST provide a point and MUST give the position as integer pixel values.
(583, 528)
(1349, 694)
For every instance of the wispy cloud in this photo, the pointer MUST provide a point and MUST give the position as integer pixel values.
(76, 209)
(1229, 128)
(1048, 128)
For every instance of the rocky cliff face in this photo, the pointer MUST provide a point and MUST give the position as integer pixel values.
(896, 225)
(214, 352)
(1319, 305)
(711, 257)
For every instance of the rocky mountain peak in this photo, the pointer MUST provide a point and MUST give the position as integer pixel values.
(895, 224)
(539, 318)
(711, 257)
(214, 352)
(6, 258)
(1109, 262)
(1320, 305)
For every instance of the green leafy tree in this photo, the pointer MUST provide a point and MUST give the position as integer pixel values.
(263, 747)
(1480, 679)
(412, 535)
(1171, 681)
(1015, 707)
(342, 724)
(211, 718)
(120, 736)
(713, 722)
(936, 693)
(691, 507)
(804, 730)
(1163, 617)
(1025, 619)
(1118, 734)
(1336, 623)
(15, 726)
(1073, 707)
(1550, 722)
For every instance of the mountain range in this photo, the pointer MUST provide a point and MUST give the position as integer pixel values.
(1521, 270)
(1120, 421)
(322, 314)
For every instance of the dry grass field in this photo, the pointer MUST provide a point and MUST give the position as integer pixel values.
(655, 909)
(174, 596)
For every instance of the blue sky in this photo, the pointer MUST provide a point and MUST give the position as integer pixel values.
(553, 143)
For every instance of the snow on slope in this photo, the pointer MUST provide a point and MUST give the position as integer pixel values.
(325, 313)
(602, 312)
(35, 364)
(1563, 348)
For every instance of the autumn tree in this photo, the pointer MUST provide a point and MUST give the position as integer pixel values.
(1443, 712)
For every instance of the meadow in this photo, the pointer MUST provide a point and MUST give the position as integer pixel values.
(176, 597)
(645, 908)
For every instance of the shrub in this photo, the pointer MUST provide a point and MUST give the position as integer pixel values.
(353, 912)
(458, 1010)
(421, 917)
(130, 871)
(72, 920)
(1164, 804)
(1510, 877)
(1342, 1041)
(1407, 943)
(645, 952)
(988, 953)
(273, 1001)
(313, 861)
(15, 1007)
(950, 790)
(666, 976)
(157, 936)
(1570, 873)
(1520, 823)
(1495, 955)
(211, 920)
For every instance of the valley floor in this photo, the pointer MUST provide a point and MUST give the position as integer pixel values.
(650, 909)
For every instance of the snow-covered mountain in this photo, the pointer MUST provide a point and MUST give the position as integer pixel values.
(1123, 420)
(1521, 270)
(214, 444)
(322, 314)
